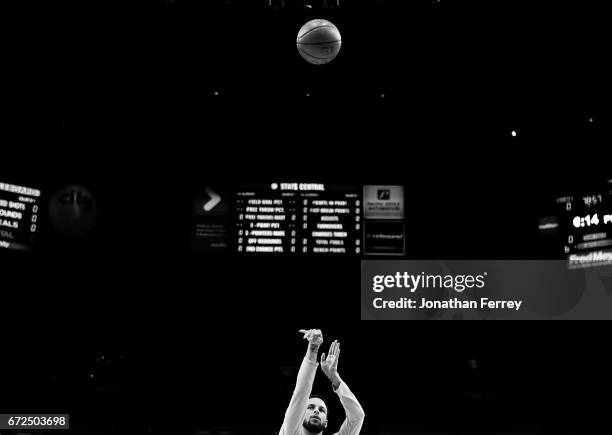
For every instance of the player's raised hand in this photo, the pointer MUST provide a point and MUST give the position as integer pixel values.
(329, 363)
(314, 336)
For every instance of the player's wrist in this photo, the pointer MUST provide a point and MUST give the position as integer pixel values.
(335, 378)
(336, 381)
(312, 352)
(332, 376)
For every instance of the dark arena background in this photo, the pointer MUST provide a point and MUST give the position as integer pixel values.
(488, 116)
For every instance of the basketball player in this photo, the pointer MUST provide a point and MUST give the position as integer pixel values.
(307, 414)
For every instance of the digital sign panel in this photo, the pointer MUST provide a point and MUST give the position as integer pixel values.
(384, 232)
(383, 202)
(581, 228)
(19, 209)
(384, 237)
(211, 225)
(298, 218)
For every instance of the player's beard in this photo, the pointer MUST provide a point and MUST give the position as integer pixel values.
(313, 426)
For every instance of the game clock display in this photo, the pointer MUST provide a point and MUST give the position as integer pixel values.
(583, 227)
(591, 220)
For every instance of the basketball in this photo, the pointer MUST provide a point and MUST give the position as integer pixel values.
(318, 41)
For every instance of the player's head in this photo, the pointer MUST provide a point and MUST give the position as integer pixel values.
(315, 419)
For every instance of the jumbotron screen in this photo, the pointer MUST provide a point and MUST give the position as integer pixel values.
(19, 208)
(290, 218)
(581, 228)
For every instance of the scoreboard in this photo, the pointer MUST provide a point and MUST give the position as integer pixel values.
(298, 218)
(19, 209)
(289, 218)
(581, 227)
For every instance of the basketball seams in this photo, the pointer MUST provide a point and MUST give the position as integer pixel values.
(316, 57)
(310, 55)
(300, 38)
(315, 28)
(319, 43)
(303, 52)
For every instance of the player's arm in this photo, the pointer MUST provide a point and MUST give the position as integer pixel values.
(303, 386)
(353, 410)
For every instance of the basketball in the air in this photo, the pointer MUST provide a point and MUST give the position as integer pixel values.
(318, 41)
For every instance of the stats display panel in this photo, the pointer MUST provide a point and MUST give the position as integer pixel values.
(292, 218)
(581, 228)
(298, 218)
(19, 208)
